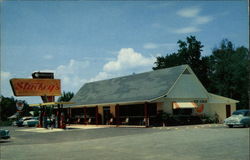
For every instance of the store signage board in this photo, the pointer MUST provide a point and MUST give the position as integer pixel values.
(36, 87)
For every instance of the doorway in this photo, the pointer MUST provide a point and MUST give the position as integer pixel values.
(228, 111)
(106, 114)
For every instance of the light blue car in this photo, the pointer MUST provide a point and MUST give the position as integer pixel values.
(4, 134)
(238, 118)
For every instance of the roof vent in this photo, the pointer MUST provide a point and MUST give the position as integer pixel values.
(186, 72)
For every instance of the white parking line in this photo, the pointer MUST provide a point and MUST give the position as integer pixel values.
(41, 130)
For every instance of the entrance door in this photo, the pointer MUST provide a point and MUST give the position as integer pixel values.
(228, 110)
(106, 114)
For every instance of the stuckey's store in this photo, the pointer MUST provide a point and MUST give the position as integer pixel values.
(137, 99)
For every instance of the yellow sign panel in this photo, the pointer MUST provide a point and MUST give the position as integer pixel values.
(36, 87)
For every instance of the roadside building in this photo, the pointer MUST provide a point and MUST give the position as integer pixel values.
(138, 98)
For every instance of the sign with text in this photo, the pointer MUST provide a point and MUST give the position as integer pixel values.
(19, 105)
(36, 87)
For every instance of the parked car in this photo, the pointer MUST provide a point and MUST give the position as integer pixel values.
(19, 122)
(32, 122)
(4, 134)
(238, 118)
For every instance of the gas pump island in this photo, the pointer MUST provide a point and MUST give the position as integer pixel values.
(43, 84)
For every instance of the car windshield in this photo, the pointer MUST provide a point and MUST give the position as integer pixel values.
(240, 113)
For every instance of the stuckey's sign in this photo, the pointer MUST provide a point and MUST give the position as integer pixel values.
(36, 87)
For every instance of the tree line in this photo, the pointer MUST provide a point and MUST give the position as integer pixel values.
(225, 72)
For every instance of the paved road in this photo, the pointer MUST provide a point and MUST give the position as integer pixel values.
(181, 143)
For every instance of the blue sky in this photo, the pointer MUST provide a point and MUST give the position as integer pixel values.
(83, 41)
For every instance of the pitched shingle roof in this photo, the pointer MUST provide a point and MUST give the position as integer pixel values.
(133, 88)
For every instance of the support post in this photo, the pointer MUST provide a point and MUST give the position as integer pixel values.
(41, 117)
(69, 115)
(146, 114)
(117, 116)
(58, 116)
(96, 115)
(85, 115)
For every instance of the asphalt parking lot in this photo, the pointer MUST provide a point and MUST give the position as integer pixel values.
(169, 143)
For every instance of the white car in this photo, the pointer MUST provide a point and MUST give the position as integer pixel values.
(19, 122)
(238, 118)
(32, 122)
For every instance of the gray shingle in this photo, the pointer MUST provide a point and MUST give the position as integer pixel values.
(138, 87)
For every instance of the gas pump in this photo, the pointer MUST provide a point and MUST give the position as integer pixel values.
(40, 124)
(57, 120)
(62, 121)
(45, 124)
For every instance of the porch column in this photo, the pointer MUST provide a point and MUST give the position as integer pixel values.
(58, 116)
(41, 117)
(117, 116)
(69, 115)
(63, 117)
(85, 115)
(96, 115)
(146, 114)
(69, 112)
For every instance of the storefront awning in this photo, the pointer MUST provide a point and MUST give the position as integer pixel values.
(50, 104)
(177, 105)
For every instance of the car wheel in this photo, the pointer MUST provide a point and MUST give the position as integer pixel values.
(246, 125)
(230, 126)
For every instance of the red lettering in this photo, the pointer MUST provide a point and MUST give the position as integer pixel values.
(57, 87)
(19, 85)
(41, 87)
(51, 88)
(26, 86)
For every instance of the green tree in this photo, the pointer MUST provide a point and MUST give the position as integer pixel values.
(66, 96)
(189, 53)
(229, 72)
(8, 108)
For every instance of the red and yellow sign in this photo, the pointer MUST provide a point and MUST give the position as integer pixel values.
(36, 87)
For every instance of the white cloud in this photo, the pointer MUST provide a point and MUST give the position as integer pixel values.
(127, 59)
(187, 30)
(159, 45)
(101, 76)
(156, 25)
(5, 75)
(150, 46)
(48, 57)
(5, 88)
(197, 20)
(127, 62)
(189, 12)
(203, 19)
(72, 74)
(73, 67)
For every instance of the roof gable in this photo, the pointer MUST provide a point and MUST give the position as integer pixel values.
(133, 88)
(187, 86)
